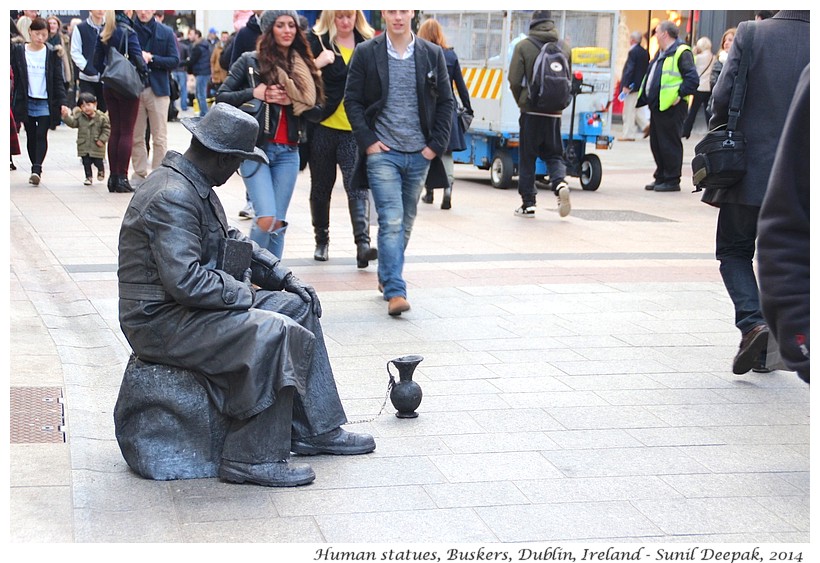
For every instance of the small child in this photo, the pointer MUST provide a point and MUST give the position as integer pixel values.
(93, 130)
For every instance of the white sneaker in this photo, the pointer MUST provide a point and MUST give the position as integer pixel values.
(247, 211)
(562, 193)
(527, 212)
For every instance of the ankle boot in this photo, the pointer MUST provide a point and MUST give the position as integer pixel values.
(360, 219)
(448, 192)
(320, 253)
(320, 216)
(112, 182)
(123, 186)
(428, 195)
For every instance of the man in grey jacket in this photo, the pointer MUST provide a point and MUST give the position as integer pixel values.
(779, 53)
(189, 299)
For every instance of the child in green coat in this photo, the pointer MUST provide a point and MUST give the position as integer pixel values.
(93, 130)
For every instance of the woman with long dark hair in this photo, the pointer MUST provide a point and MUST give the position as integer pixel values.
(281, 74)
(335, 35)
(118, 33)
(39, 92)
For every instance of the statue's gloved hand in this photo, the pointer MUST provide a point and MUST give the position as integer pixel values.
(303, 290)
(246, 279)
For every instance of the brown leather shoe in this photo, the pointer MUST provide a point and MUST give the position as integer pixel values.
(397, 305)
(752, 345)
(646, 132)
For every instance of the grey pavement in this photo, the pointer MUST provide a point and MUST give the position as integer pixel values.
(577, 378)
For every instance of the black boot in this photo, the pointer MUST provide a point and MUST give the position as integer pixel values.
(112, 182)
(320, 215)
(360, 219)
(428, 195)
(123, 185)
(445, 202)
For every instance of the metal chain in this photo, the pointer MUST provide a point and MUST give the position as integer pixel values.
(390, 383)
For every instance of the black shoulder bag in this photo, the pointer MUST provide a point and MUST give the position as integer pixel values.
(720, 157)
(119, 74)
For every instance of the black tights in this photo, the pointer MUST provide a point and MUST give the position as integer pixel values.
(37, 141)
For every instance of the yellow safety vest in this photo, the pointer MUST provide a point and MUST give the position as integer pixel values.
(671, 79)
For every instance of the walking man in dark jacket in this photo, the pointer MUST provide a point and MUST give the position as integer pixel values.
(255, 337)
(539, 133)
(159, 50)
(399, 101)
(670, 79)
(200, 66)
(779, 53)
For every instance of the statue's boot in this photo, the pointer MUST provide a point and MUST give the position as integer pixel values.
(336, 442)
(257, 449)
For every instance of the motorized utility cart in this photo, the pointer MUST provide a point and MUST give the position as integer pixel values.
(484, 41)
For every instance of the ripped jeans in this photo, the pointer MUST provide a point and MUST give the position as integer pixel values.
(270, 188)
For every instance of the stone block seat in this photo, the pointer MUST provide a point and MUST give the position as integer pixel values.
(165, 423)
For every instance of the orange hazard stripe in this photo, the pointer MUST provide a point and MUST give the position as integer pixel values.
(483, 82)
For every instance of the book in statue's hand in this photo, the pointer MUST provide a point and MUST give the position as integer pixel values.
(234, 257)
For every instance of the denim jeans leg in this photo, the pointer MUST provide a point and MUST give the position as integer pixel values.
(415, 173)
(385, 178)
(270, 189)
(396, 180)
(182, 80)
(202, 93)
(735, 248)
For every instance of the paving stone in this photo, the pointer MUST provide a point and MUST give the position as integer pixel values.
(464, 468)
(484, 493)
(623, 461)
(236, 509)
(732, 485)
(711, 516)
(305, 502)
(567, 522)
(489, 442)
(732, 458)
(446, 525)
(596, 489)
(41, 515)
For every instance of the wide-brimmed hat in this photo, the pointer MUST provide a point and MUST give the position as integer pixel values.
(228, 130)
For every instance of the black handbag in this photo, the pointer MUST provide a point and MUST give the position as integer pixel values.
(119, 74)
(720, 157)
(461, 122)
(254, 105)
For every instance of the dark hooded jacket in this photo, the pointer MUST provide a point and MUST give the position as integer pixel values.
(523, 60)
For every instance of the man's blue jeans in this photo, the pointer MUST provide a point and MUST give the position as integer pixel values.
(202, 93)
(396, 179)
(735, 249)
(270, 188)
(182, 79)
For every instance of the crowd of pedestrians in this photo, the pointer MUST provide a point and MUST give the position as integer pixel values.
(381, 108)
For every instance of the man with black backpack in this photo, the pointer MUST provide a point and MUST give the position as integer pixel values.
(541, 97)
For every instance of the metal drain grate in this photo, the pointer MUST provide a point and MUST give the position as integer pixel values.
(617, 215)
(37, 415)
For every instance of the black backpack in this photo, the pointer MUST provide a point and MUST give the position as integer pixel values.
(550, 88)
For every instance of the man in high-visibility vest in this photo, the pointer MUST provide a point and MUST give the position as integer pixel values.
(670, 79)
